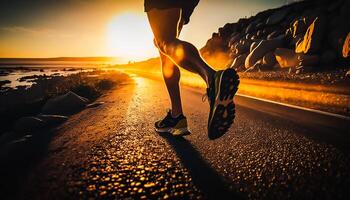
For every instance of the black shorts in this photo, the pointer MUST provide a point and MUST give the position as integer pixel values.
(187, 6)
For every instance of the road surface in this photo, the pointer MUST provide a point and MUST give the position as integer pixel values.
(112, 151)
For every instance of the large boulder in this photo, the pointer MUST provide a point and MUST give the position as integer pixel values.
(254, 45)
(296, 40)
(286, 57)
(273, 35)
(313, 38)
(234, 38)
(336, 40)
(269, 60)
(346, 46)
(299, 27)
(28, 124)
(238, 63)
(68, 103)
(259, 34)
(242, 47)
(250, 28)
(262, 49)
(277, 16)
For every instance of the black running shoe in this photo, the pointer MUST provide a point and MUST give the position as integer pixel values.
(222, 108)
(176, 126)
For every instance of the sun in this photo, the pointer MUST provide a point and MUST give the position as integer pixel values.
(130, 38)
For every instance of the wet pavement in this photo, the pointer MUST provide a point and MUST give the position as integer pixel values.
(262, 157)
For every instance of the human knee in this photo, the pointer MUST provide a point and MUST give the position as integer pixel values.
(166, 45)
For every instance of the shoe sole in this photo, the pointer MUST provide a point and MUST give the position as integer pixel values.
(223, 112)
(175, 131)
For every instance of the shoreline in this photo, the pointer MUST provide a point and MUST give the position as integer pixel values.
(30, 100)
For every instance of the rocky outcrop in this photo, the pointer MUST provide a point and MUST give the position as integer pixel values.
(286, 57)
(261, 50)
(312, 41)
(64, 104)
(312, 35)
(346, 46)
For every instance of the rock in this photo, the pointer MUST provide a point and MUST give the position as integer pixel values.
(346, 46)
(304, 69)
(273, 35)
(238, 63)
(313, 37)
(53, 119)
(248, 36)
(28, 124)
(64, 104)
(277, 17)
(259, 34)
(336, 40)
(263, 48)
(254, 37)
(233, 55)
(347, 73)
(224, 33)
(234, 38)
(327, 57)
(286, 57)
(308, 60)
(259, 25)
(233, 46)
(256, 68)
(269, 60)
(95, 104)
(295, 40)
(253, 46)
(299, 27)
(250, 28)
(242, 47)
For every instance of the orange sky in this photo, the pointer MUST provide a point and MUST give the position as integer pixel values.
(76, 28)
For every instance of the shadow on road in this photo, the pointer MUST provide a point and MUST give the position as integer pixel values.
(203, 175)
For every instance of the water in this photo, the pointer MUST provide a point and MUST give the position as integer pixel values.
(14, 72)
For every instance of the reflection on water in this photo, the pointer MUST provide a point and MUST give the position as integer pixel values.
(24, 75)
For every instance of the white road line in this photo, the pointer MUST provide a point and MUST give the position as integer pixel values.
(297, 107)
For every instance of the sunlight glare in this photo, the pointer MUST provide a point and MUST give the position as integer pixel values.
(130, 38)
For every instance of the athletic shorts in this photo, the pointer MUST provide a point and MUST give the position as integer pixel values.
(187, 6)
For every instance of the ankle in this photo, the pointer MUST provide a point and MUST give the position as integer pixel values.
(175, 114)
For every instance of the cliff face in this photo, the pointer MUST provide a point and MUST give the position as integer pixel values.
(304, 37)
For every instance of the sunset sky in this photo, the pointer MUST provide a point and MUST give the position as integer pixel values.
(78, 28)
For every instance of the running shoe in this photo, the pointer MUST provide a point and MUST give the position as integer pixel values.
(222, 108)
(176, 126)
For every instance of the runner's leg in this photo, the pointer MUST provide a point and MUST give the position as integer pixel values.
(164, 24)
(171, 75)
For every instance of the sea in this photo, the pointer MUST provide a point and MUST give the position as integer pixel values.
(12, 74)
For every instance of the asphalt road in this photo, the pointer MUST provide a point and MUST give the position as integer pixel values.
(113, 152)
